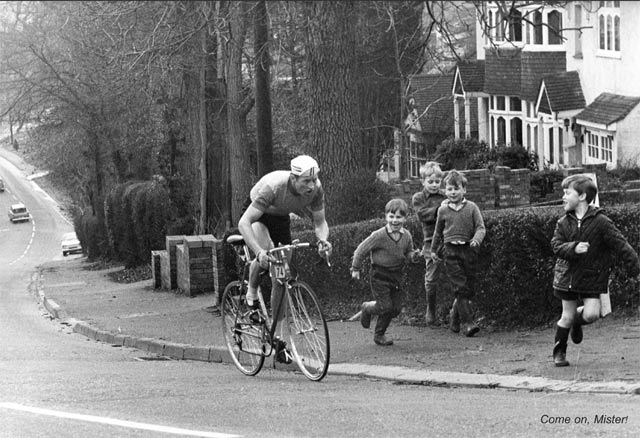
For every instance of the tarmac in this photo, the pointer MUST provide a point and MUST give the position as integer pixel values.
(167, 324)
(170, 325)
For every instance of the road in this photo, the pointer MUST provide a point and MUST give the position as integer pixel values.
(57, 383)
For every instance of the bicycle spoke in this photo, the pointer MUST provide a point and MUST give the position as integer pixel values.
(308, 333)
(244, 338)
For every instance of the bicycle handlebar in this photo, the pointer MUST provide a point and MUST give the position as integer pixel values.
(296, 245)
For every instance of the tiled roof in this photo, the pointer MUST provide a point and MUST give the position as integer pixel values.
(502, 72)
(564, 91)
(427, 89)
(472, 75)
(536, 65)
(608, 108)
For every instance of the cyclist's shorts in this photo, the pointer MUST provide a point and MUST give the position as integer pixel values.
(279, 226)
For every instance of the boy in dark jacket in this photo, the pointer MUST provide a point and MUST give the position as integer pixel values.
(425, 203)
(585, 241)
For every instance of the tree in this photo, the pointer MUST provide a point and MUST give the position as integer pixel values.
(334, 131)
(264, 136)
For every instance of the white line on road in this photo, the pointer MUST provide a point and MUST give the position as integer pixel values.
(115, 422)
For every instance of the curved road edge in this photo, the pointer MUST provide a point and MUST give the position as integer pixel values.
(402, 375)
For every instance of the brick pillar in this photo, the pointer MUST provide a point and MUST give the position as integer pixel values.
(171, 242)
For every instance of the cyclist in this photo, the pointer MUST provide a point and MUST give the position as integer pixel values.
(266, 223)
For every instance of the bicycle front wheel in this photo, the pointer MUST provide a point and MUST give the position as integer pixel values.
(308, 332)
(244, 338)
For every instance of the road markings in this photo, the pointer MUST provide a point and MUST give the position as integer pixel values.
(115, 422)
(33, 235)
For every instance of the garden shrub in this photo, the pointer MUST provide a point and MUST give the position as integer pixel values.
(137, 216)
(515, 269)
(355, 197)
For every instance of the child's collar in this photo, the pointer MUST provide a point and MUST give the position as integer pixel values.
(401, 230)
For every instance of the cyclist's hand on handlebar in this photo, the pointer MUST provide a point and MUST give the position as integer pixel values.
(263, 258)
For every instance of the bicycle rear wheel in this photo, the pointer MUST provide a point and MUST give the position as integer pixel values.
(242, 336)
(308, 332)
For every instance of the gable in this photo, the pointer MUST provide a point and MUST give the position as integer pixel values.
(469, 77)
(561, 92)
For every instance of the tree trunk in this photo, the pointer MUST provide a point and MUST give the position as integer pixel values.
(334, 133)
(239, 161)
(264, 134)
(202, 130)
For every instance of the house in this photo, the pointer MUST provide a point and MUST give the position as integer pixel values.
(558, 78)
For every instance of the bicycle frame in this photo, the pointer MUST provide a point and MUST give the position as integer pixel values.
(296, 310)
(280, 273)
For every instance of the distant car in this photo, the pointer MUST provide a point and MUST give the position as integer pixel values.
(70, 244)
(18, 213)
(1, 185)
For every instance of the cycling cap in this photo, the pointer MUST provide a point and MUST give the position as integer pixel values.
(304, 164)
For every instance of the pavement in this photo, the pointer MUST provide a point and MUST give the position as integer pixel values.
(167, 324)
(86, 300)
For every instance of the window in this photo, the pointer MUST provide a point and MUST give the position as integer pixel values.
(600, 146)
(607, 148)
(592, 146)
(555, 27)
(515, 104)
(537, 27)
(515, 25)
(609, 26)
(500, 103)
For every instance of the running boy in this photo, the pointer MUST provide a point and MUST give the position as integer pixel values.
(585, 242)
(458, 233)
(426, 203)
(388, 248)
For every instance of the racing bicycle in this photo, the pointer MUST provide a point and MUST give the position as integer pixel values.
(251, 334)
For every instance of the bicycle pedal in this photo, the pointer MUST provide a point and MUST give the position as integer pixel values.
(283, 355)
(255, 317)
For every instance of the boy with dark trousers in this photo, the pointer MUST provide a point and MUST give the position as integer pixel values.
(388, 248)
(585, 242)
(425, 204)
(458, 233)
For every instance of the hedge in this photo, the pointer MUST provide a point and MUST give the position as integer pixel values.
(515, 269)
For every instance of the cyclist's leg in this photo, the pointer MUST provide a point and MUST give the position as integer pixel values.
(264, 240)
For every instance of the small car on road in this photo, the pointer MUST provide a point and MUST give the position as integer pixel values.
(1, 185)
(70, 244)
(18, 213)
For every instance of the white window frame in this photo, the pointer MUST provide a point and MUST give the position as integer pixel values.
(600, 146)
(609, 17)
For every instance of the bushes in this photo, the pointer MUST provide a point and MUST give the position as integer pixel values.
(356, 197)
(515, 268)
(137, 218)
(471, 154)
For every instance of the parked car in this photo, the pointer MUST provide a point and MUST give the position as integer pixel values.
(70, 244)
(18, 213)
(1, 185)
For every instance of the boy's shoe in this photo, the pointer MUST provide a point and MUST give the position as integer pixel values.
(470, 330)
(382, 340)
(560, 355)
(283, 355)
(576, 333)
